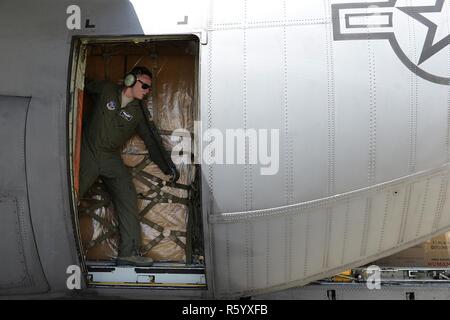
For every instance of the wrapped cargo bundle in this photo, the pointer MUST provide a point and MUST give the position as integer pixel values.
(163, 206)
(163, 211)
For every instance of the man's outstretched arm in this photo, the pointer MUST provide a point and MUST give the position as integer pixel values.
(156, 150)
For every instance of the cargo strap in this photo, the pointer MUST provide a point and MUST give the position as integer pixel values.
(94, 205)
(138, 170)
(174, 234)
(156, 195)
(155, 185)
(161, 198)
(176, 133)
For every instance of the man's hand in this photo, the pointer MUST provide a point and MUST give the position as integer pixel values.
(174, 174)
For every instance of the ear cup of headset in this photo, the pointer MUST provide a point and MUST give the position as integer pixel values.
(129, 80)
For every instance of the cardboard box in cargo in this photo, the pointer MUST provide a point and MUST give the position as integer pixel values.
(433, 253)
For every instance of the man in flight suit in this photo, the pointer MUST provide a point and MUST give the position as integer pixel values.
(116, 117)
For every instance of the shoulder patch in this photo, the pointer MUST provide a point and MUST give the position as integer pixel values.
(111, 105)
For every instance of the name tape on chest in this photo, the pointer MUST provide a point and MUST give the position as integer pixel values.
(126, 115)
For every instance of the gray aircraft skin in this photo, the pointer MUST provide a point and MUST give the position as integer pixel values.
(359, 91)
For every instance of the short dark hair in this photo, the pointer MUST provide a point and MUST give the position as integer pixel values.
(137, 71)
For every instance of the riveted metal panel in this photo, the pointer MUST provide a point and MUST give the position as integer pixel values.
(20, 269)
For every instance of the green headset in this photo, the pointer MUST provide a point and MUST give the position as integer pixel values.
(131, 77)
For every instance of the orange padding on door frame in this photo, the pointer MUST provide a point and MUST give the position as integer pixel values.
(79, 126)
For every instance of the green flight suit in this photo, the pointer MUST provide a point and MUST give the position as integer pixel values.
(106, 132)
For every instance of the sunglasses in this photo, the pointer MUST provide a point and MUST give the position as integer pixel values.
(145, 86)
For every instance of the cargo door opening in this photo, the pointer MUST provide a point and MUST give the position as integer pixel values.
(169, 213)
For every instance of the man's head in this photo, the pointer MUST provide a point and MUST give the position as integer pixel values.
(142, 82)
